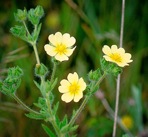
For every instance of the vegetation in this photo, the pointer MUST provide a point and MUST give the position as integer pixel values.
(93, 24)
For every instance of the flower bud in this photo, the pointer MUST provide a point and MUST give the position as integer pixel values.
(41, 70)
(20, 15)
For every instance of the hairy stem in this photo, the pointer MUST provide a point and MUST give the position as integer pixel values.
(52, 118)
(54, 70)
(26, 28)
(36, 53)
(24, 105)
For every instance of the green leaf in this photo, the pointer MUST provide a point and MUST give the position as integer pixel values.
(19, 31)
(12, 81)
(137, 94)
(37, 84)
(57, 120)
(65, 128)
(54, 84)
(72, 129)
(48, 131)
(35, 116)
(41, 103)
(64, 121)
(94, 75)
(55, 108)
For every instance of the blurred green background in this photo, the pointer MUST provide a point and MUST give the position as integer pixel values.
(93, 23)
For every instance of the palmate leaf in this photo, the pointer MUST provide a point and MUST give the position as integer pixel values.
(19, 31)
(48, 131)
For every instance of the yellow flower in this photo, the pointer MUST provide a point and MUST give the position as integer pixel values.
(60, 46)
(72, 88)
(127, 121)
(116, 55)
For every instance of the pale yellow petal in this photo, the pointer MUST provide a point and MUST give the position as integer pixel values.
(63, 89)
(71, 42)
(106, 50)
(78, 96)
(61, 57)
(69, 51)
(114, 48)
(58, 38)
(121, 51)
(65, 82)
(82, 84)
(107, 58)
(64, 86)
(127, 56)
(73, 77)
(67, 97)
(52, 40)
(50, 50)
(122, 64)
(67, 40)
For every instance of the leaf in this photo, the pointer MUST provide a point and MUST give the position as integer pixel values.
(19, 31)
(73, 128)
(64, 121)
(54, 84)
(35, 116)
(41, 103)
(55, 108)
(37, 84)
(48, 131)
(136, 90)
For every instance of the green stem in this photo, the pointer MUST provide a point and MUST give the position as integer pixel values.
(100, 80)
(85, 101)
(25, 106)
(52, 118)
(33, 43)
(26, 28)
(79, 110)
(53, 72)
(36, 53)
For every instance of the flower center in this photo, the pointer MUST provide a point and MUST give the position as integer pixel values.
(116, 57)
(74, 88)
(60, 49)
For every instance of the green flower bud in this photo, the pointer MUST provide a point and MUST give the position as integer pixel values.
(20, 15)
(34, 15)
(41, 70)
(94, 75)
(39, 12)
(110, 68)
